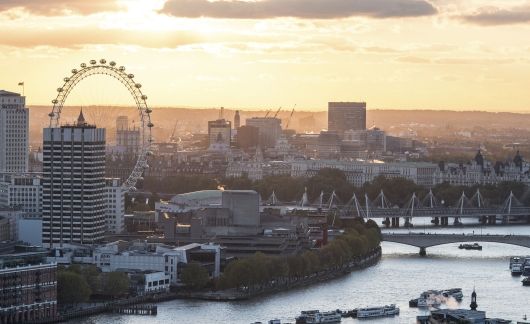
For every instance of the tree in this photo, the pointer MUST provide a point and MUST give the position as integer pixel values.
(195, 276)
(115, 284)
(72, 288)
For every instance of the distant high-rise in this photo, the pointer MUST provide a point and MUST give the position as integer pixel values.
(270, 130)
(73, 197)
(343, 116)
(237, 120)
(14, 124)
(219, 132)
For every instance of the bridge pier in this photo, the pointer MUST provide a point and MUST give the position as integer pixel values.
(408, 222)
(492, 220)
(423, 251)
(395, 222)
(445, 221)
(483, 220)
(457, 221)
(436, 221)
(386, 222)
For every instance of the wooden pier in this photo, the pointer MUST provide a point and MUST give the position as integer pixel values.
(140, 309)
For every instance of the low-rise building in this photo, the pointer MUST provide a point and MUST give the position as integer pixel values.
(28, 288)
(360, 172)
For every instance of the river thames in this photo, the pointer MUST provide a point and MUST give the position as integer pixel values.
(400, 276)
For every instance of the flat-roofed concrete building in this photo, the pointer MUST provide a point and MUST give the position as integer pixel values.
(73, 184)
(14, 132)
(344, 116)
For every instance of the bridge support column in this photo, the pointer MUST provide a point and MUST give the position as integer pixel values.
(457, 221)
(483, 220)
(445, 221)
(386, 222)
(423, 251)
(436, 221)
(395, 221)
(408, 222)
(492, 220)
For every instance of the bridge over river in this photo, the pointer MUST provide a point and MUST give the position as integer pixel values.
(423, 241)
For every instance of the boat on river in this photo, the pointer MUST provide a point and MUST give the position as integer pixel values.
(474, 246)
(526, 281)
(317, 317)
(516, 269)
(456, 293)
(384, 311)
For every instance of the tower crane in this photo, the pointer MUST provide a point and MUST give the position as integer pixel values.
(290, 117)
(277, 112)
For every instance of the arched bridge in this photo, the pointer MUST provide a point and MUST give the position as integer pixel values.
(424, 241)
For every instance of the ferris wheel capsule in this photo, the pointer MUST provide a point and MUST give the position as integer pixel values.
(55, 101)
(150, 125)
(74, 71)
(51, 114)
(103, 61)
(93, 62)
(59, 89)
(122, 68)
(138, 85)
(83, 65)
(148, 111)
(130, 76)
(112, 63)
(66, 79)
(144, 97)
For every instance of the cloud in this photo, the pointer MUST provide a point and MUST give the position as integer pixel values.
(316, 9)
(73, 38)
(60, 7)
(494, 16)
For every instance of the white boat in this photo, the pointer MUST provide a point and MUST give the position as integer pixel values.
(456, 293)
(388, 310)
(324, 317)
(517, 269)
(429, 299)
(275, 321)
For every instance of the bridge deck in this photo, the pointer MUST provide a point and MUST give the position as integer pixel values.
(422, 240)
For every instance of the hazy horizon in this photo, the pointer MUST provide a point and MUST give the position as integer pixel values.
(404, 54)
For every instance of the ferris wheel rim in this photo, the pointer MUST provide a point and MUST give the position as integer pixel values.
(127, 79)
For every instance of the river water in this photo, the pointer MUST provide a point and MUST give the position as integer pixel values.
(400, 276)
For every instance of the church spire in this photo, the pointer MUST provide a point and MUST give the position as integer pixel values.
(81, 119)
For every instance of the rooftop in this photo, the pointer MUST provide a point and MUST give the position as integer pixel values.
(4, 93)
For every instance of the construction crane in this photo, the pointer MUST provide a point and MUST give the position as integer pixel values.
(267, 114)
(172, 137)
(277, 112)
(290, 117)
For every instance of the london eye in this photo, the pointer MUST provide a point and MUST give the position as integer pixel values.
(111, 69)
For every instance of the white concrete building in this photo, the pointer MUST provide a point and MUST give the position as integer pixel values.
(360, 172)
(156, 281)
(73, 194)
(115, 205)
(14, 125)
(22, 191)
(164, 259)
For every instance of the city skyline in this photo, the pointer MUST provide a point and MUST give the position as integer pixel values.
(413, 54)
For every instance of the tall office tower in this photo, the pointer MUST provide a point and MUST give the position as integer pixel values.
(237, 120)
(343, 116)
(73, 195)
(270, 130)
(127, 138)
(14, 125)
(219, 132)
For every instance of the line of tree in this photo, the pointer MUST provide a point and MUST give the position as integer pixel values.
(260, 271)
(76, 284)
(289, 189)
